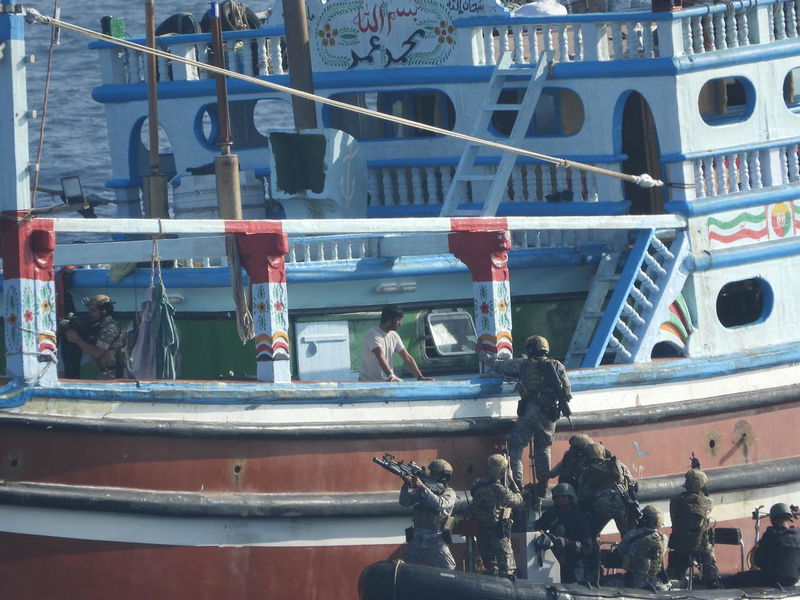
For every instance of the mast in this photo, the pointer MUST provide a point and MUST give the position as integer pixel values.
(299, 55)
(226, 164)
(14, 174)
(155, 183)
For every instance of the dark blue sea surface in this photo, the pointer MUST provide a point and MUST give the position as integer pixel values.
(75, 137)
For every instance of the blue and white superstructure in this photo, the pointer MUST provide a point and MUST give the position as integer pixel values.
(672, 305)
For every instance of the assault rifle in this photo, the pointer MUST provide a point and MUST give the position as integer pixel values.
(552, 379)
(411, 469)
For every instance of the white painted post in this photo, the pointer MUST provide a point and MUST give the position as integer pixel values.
(27, 247)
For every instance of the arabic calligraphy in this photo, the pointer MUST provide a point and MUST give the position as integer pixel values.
(380, 19)
(465, 6)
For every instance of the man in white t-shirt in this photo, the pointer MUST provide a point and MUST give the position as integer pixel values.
(381, 343)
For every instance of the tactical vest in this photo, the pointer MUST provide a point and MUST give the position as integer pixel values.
(488, 507)
(782, 559)
(427, 517)
(599, 475)
(533, 387)
(690, 512)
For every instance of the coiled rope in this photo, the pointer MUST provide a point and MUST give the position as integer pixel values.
(34, 16)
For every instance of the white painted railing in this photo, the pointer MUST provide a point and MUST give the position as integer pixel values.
(711, 27)
(427, 184)
(741, 171)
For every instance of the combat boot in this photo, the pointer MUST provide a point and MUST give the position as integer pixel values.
(541, 489)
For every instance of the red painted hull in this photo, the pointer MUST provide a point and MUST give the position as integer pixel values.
(342, 465)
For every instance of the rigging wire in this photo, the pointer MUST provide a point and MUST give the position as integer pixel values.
(54, 35)
(643, 180)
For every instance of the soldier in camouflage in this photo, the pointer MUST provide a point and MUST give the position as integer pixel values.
(643, 550)
(538, 408)
(109, 344)
(575, 459)
(492, 502)
(427, 540)
(606, 491)
(690, 512)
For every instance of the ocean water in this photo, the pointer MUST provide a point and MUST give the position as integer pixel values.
(75, 139)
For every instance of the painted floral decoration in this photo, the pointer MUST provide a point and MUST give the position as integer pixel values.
(328, 35)
(445, 33)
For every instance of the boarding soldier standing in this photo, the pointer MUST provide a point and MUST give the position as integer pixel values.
(427, 540)
(690, 512)
(543, 386)
(606, 491)
(492, 503)
(643, 550)
(575, 459)
(567, 533)
(108, 342)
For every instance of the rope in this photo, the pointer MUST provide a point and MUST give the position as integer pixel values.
(34, 16)
(397, 564)
(53, 44)
(244, 318)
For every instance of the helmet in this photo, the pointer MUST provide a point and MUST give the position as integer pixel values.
(536, 345)
(102, 302)
(695, 480)
(565, 489)
(651, 517)
(496, 466)
(440, 470)
(595, 451)
(781, 509)
(99, 299)
(580, 441)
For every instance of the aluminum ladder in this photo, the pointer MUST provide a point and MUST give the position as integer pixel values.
(473, 181)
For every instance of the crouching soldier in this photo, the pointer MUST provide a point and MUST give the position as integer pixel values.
(606, 491)
(566, 532)
(492, 502)
(643, 550)
(427, 540)
(690, 512)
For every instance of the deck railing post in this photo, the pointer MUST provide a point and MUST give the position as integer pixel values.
(29, 299)
(262, 255)
(486, 255)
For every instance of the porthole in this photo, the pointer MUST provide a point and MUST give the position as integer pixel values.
(559, 112)
(791, 89)
(744, 302)
(245, 131)
(431, 107)
(726, 100)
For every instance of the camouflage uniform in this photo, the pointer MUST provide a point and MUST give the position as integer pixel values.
(575, 460)
(643, 552)
(690, 512)
(114, 340)
(538, 410)
(491, 508)
(428, 545)
(605, 492)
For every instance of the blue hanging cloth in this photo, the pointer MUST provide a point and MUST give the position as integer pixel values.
(155, 353)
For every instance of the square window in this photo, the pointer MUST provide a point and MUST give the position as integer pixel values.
(452, 333)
